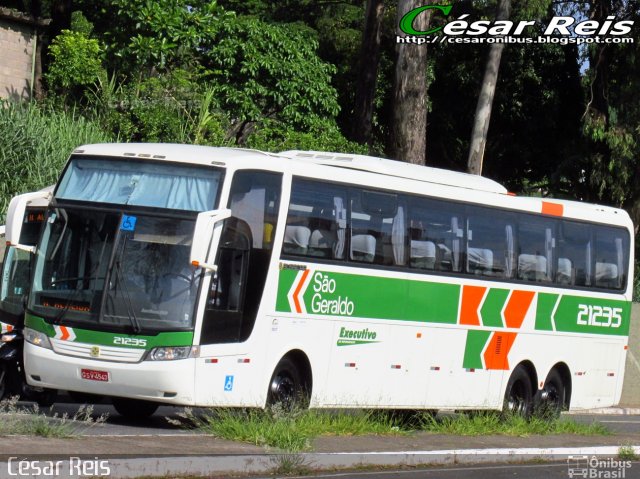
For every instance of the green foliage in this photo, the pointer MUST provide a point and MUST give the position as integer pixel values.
(322, 136)
(76, 61)
(172, 57)
(80, 24)
(259, 70)
(164, 108)
(35, 145)
(156, 35)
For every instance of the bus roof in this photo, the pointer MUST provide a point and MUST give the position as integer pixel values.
(295, 160)
(399, 169)
(194, 154)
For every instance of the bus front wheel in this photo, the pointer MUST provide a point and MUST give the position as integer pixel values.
(287, 386)
(518, 397)
(134, 408)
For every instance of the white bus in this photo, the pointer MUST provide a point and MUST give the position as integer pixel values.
(222, 277)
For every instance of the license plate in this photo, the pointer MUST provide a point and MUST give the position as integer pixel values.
(94, 375)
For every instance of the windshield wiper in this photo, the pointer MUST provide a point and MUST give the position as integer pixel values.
(123, 287)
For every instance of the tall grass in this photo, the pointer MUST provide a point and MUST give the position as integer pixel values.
(35, 143)
(31, 421)
(293, 430)
(493, 422)
(290, 430)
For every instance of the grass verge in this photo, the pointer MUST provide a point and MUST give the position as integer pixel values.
(31, 421)
(293, 430)
(289, 430)
(493, 422)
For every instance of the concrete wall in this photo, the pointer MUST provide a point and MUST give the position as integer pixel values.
(631, 386)
(16, 56)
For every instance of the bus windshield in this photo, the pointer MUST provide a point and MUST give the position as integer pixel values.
(140, 183)
(120, 270)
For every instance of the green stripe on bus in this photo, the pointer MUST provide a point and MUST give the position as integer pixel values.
(593, 315)
(350, 295)
(178, 338)
(357, 295)
(476, 341)
(546, 303)
(491, 310)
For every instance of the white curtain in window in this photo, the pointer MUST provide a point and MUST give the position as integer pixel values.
(158, 185)
(398, 231)
(509, 254)
(341, 227)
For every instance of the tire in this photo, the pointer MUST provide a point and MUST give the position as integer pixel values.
(553, 398)
(518, 396)
(287, 386)
(85, 398)
(134, 408)
(46, 397)
(4, 389)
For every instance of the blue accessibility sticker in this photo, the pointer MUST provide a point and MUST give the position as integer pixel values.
(228, 383)
(128, 223)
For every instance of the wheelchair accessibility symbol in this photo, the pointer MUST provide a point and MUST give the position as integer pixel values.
(128, 223)
(228, 383)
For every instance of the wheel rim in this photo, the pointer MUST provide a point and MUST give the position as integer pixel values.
(283, 387)
(552, 396)
(517, 402)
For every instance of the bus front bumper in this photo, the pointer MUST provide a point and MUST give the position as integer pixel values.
(170, 382)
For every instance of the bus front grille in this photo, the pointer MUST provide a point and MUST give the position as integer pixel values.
(97, 352)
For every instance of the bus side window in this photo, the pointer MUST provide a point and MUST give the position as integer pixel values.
(378, 232)
(610, 261)
(536, 244)
(575, 254)
(434, 235)
(316, 221)
(490, 245)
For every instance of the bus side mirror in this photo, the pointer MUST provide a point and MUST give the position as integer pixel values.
(207, 233)
(15, 217)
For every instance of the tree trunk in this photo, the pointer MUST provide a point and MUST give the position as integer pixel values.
(485, 100)
(60, 17)
(35, 10)
(368, 72)
(409, 119)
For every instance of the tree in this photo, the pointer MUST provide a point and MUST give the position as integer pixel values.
(409, 118)
(367, 72)
(485, 99)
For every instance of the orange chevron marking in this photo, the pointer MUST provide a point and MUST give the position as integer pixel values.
(471, 299)
(65, 333)
(497, 352)
(297, 291)
(517, 308)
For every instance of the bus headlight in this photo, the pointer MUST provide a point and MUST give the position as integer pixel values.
(173, 353)
(37, 338)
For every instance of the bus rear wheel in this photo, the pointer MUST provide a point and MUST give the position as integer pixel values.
(287, 387)
(553, 397)
(518, 397)
(134, 408)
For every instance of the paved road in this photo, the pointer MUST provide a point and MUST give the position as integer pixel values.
(558, 470)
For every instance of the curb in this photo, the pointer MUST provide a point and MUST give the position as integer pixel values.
(620, 411)
(116, 468)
